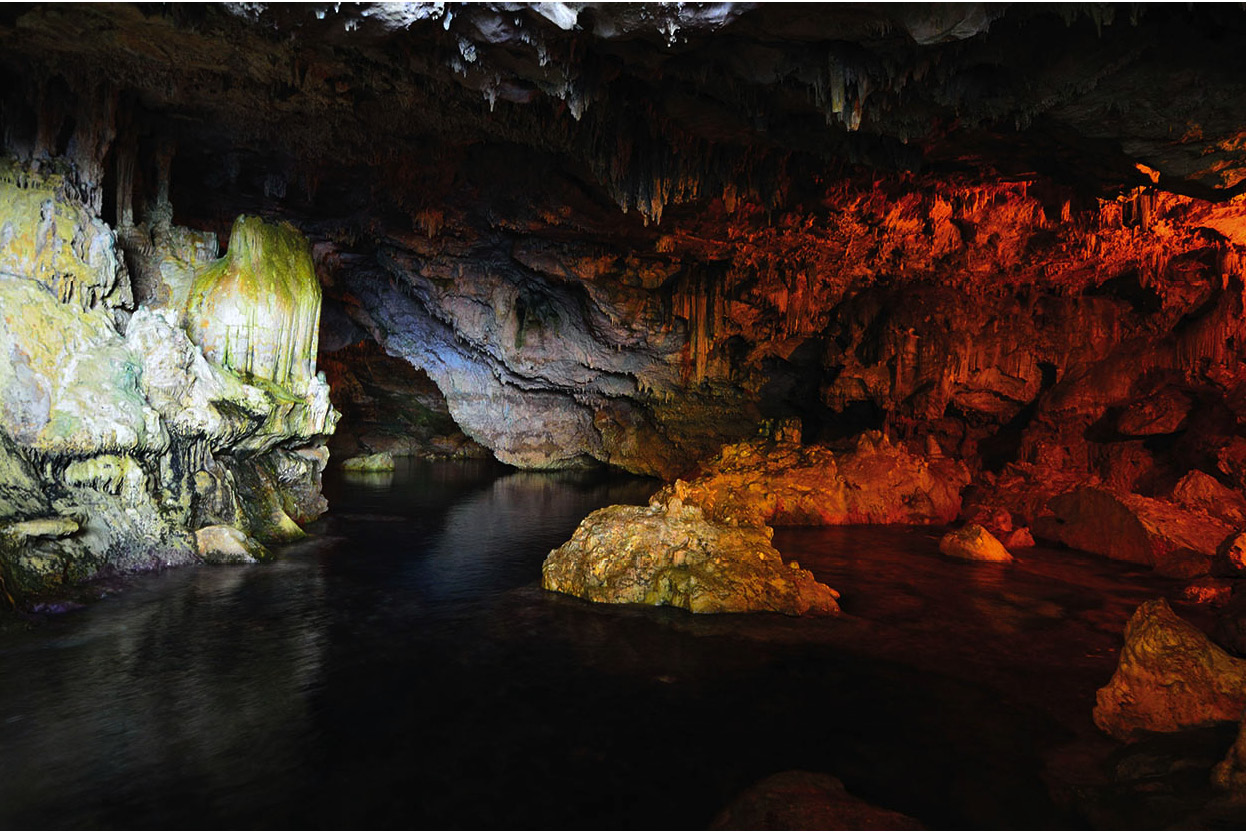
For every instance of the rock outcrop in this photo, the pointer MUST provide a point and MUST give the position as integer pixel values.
(871, 481)
(387, 405)
(1199, 492)
(799, 801)
(1170, 677)
(1133, 528)
(118, 436)
(670, 553)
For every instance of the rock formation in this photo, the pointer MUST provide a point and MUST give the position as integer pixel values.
(670, 553)
(380, 462)
(973, 543)
(118, 437)
(799, 801)
(1230, 773)
(633, 235)
(1170, 677)
(1133, 528)
(871, 481)
(256, 311)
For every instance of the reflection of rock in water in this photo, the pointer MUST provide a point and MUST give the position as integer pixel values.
(536, 511)
(197, 679)
(366, 478)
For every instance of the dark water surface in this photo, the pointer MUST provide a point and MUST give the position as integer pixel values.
(402, 668)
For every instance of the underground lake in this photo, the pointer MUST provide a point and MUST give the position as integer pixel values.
(402, 668)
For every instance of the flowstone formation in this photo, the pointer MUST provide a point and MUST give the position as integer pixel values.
(118, 437)
(257, 310)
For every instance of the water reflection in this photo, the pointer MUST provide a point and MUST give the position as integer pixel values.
(401, 668)
(375, 480)
(187, 671)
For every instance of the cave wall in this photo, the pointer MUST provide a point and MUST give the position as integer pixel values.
(123, 447)
(630, 234)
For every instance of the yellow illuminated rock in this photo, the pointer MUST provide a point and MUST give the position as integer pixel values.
(257, 310)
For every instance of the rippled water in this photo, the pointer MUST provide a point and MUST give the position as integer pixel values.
(402, 668)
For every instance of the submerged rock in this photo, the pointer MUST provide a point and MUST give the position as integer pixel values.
(380, 462)
(874, 482)
(669, 553)
(1170, 677)
(796, 800)
(1132, 528)
(974, 543)
(1230, 773)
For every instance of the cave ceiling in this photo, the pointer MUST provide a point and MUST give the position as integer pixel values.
(656, 105)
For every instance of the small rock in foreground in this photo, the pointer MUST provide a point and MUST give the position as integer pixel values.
(974, 543)
(670, 554)
(800, 801)
(1209, 590)
(1230, 774)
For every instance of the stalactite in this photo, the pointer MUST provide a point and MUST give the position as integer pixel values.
(126, 159)
(698, 299)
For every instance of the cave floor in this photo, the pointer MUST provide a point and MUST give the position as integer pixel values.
(401, 668)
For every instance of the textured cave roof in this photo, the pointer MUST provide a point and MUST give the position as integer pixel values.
(1083, 93)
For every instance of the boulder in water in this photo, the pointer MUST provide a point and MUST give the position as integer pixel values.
(800, 801)
(223, 544)
(380, 462)
(1170, 677)
(669, 553)
(1133, 528)
(974, 543)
